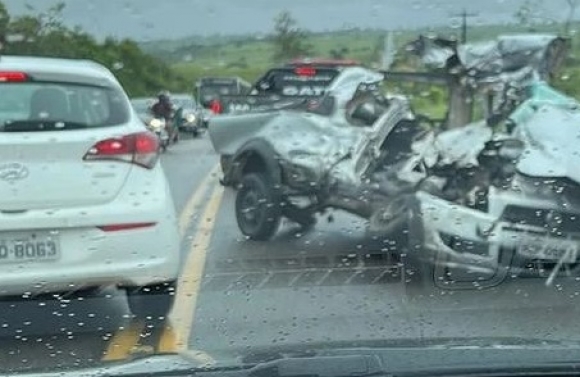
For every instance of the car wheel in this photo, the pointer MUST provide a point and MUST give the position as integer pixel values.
(153, 302)
(258, 210)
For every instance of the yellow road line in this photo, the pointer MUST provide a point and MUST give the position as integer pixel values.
(168, 344)
(123, 342)
(167, 341)
(194, 202)
(183, 314)
(127, 339)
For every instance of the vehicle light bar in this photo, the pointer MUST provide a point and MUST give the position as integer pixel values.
(305, 71)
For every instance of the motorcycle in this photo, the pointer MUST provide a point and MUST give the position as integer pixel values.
(159, 127)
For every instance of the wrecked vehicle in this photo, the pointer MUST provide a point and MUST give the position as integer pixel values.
(526, 223)
(298, 85)
(476, 72)
(474, 205)
(323, 155)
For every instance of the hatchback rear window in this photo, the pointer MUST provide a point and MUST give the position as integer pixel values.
(24, 106)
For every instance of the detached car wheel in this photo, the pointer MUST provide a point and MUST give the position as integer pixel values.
(258, 210)
(152, 301)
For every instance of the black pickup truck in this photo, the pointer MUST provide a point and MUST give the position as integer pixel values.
(294, 84)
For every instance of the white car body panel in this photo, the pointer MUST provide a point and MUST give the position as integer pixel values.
(67, 198)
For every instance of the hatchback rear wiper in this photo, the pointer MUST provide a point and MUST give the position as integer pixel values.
(41, 125)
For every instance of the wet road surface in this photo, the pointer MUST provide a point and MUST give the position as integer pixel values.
(330, 284)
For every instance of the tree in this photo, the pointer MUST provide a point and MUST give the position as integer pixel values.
(4, 20)
(289, 40)
(45, 34)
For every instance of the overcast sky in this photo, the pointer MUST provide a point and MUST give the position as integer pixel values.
(154, 19)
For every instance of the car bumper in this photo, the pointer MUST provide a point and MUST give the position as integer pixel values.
(481, 248)
(92, 254)
(189, 126)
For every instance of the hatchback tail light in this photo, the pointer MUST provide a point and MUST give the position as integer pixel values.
(13, 76)
(139, 148)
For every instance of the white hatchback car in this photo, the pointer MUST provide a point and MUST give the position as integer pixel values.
(84, 201)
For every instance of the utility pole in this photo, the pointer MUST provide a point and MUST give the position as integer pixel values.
(464, 16)
(389, 52)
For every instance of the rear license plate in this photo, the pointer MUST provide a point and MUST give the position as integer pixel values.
(32, 246)
(549, 249)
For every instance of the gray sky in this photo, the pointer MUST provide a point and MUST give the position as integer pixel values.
(154, 19)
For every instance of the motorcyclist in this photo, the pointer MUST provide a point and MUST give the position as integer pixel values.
(164, 109)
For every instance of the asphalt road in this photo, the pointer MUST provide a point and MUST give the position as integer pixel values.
(331, 284)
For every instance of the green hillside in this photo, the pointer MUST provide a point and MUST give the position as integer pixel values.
(249, 56)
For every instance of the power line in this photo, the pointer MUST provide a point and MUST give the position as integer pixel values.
(464, 16)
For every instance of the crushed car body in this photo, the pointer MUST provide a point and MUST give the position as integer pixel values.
(472, 202)
(324, 153)
(524, 223)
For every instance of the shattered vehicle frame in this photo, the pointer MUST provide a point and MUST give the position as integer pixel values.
(473, 205)
(321, 155)
(526, 223)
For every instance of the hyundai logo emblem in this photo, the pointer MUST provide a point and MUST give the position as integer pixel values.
(13, 171)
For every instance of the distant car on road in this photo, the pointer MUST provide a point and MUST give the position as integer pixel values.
(210, 89)
(189, 117)
(84, 203)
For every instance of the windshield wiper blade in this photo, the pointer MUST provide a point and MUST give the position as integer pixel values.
(41, 125)
(320, 366)
(543, 370)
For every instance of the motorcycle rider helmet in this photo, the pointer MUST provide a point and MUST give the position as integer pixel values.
(163, 96)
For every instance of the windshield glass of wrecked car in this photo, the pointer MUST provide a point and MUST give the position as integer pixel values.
(330, 188)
